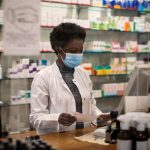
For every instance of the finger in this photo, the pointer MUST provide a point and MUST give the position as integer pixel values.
(73, 118)
(65, 115)
(72, 121)
(103, 119)
(62, 119)
(68, 116)
(104, 116)
(69, 120)
(65, 123)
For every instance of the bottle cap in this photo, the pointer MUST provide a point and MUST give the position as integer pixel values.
(124, 122)
(114, 114)
(140, 123)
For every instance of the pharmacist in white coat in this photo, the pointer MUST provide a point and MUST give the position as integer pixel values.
(63, 89)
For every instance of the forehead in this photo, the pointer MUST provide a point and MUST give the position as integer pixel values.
(74, 43)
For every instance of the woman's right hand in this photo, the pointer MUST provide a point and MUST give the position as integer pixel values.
(66, 119)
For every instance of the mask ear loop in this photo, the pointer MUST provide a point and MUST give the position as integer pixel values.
(62, 50)
(83, 80)
(62, 59)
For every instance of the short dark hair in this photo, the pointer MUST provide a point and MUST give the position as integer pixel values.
(65, 32)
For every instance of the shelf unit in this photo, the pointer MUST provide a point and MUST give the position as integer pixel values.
(30, 78)
(105, 103)
(101, 52)
(92, 52)
(51, 27)
(97, 52)
(89, 5)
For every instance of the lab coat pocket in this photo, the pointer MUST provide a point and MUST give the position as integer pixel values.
(54, 104)
(86, 105)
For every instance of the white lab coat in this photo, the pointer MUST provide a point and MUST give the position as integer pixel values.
(51, 97)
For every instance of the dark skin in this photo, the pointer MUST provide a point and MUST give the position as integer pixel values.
(73, 46)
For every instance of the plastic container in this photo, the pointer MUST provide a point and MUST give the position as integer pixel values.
(141, 136)
(124, 140)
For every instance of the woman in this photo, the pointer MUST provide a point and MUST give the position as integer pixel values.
(63, 89)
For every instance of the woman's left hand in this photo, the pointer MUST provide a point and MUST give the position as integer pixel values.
(104, 117)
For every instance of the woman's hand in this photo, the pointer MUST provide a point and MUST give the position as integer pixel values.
(66, 119)
(104, 117)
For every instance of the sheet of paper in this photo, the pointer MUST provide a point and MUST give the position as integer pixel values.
(90, 137)
(85, 117)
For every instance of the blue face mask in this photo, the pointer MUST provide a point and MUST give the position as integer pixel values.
(73, 60)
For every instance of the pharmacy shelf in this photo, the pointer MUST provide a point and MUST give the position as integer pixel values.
(46, 52)
(49, 1)
(16, 104)
(97, 52)
(101, 52)
(47, 27)
(111, 96)
(125, 74)
(90, 29)
(85, 51)
(115, 52)
(89, 5)
(108, 96)
(10, 104)
(3, 104)
(6, 78)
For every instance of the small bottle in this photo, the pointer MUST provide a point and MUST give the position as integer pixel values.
(1, 147)
(124, 140)
(18, 144)
(6, 145)
(141, 136)
(11, 147)
(141, 5)
(1, 72)
(135, 4)
(24, 146)
(148, 125)
(148, 101)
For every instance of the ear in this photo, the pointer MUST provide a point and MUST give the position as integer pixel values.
(57, 50)
(61, 53)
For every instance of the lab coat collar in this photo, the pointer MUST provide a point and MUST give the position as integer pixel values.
(54, 65)
(75, 77)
